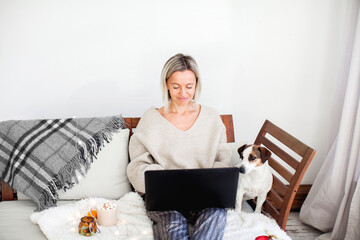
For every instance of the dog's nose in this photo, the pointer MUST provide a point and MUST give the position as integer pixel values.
(242, 170)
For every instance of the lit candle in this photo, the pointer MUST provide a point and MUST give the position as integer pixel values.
(145, 232)
(122, 221)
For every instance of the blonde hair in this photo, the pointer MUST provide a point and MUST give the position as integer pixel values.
(179, 62)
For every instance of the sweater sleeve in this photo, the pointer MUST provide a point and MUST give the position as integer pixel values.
(141, 161)
(223, 155)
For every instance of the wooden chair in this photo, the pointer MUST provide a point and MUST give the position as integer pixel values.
(284, 146)
(227, 120)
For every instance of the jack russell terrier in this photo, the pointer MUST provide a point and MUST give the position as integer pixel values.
(255, 178)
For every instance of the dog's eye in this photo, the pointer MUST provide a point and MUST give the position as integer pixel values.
(252, 158)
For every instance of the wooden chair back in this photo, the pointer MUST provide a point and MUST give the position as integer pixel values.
(227, 120)
(7, 193)
(287, 151)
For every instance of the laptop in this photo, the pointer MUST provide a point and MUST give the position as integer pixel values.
(190, 189)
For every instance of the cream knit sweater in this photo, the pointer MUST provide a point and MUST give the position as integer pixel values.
(157, 144)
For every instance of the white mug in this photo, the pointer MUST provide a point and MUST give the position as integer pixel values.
(107, 214)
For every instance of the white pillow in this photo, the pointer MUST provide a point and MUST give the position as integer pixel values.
(107, 176)
(235, 159)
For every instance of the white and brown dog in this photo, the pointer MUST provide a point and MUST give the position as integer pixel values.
(255, 179)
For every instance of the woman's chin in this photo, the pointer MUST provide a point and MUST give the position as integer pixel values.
(180, 100)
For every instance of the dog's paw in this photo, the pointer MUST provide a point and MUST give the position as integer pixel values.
(257, 210)
(237, 210)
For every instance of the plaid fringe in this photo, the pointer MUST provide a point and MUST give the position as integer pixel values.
(41, 157)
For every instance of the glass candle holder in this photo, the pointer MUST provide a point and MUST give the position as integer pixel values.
(87, 226)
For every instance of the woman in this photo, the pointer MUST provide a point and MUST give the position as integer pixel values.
(180, 135)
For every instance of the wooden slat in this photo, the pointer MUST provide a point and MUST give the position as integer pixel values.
(128, 125)
(134, 122)
(280, 153)
(298, 176)
(294, 185)
(280, 169)
(276, 200)
(279, 186)
(304, 165)
(285, 138)
(271, 209)
(7, 193)
(300, 196)
(285, 210)
(299, 199)
(228, 122)
(128, 122)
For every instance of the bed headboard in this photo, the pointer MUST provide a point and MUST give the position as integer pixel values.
(7, 193)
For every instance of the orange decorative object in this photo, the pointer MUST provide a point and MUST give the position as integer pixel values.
(92, 213)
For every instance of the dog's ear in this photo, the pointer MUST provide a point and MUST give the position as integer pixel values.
(265, 154)
(241, 150)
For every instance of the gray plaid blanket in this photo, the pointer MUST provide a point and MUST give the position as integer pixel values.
(41, 157)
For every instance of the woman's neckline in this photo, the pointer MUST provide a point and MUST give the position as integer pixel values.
(181, 130)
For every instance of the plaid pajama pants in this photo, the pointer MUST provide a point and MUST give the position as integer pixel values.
(172, 225)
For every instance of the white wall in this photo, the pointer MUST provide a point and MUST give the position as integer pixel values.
(279, 60)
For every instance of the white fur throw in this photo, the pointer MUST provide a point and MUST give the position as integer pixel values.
(61, 222)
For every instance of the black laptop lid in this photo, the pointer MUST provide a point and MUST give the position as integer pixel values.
(190, 189)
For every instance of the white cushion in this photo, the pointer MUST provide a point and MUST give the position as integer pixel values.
(15, 220)
(107, 176)
(15, 215)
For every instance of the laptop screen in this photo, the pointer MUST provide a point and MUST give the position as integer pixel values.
(190, 189)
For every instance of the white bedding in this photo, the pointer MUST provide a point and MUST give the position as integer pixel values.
(61, 222)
